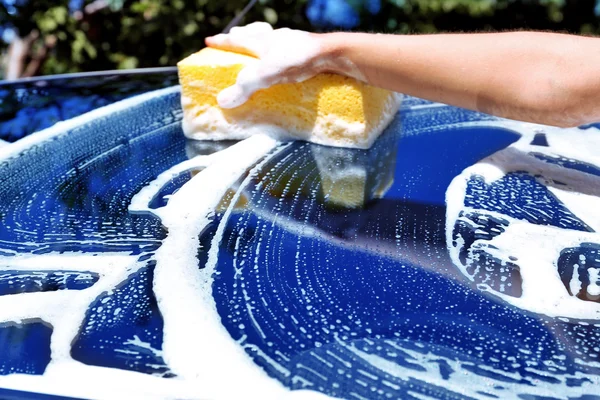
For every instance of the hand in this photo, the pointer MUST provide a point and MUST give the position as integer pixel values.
(286, 56)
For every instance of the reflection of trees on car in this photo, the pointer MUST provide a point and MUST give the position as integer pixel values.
(30, 107)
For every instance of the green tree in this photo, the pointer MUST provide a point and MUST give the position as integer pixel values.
(109, 34)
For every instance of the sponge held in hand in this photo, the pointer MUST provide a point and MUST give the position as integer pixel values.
(327, 109)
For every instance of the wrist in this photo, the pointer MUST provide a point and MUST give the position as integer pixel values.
(335, 50)
(329, 53)
(332, 44)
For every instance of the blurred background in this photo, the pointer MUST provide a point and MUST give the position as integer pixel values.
(41, 37)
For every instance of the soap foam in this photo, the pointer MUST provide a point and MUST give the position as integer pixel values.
(208, 363)
(536, 247)
(210, 123)
(196, 346)
(294, 53)
(463, 381)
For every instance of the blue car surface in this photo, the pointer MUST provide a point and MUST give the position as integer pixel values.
(458, 258)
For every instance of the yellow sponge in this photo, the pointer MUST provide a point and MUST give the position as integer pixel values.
(327, 109)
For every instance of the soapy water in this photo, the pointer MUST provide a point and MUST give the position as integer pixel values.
(134, 263)
(523, 223)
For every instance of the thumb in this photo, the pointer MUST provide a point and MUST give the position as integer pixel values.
(249, 80)
(231, 97)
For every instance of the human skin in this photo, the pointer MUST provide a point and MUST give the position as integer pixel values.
(539, 77)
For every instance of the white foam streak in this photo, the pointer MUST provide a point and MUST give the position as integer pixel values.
(464, 382)
(543, 290)
(196, 346)
(64, 310)
(66, 261)
(536, 247)
(79, 380)
(139, 202)
(587, 206)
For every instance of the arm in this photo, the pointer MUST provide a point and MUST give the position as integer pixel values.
(538, 77)
(545, 78)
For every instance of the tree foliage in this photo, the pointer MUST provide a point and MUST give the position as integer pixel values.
(84, 35)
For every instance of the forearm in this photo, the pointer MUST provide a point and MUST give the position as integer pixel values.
(538, 77)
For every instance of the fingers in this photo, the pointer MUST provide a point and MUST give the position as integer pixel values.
(229, 43)
(244, 39)
(232, 97)
(248, 81)
(214, 41)
(252, 29)
(278, 63)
